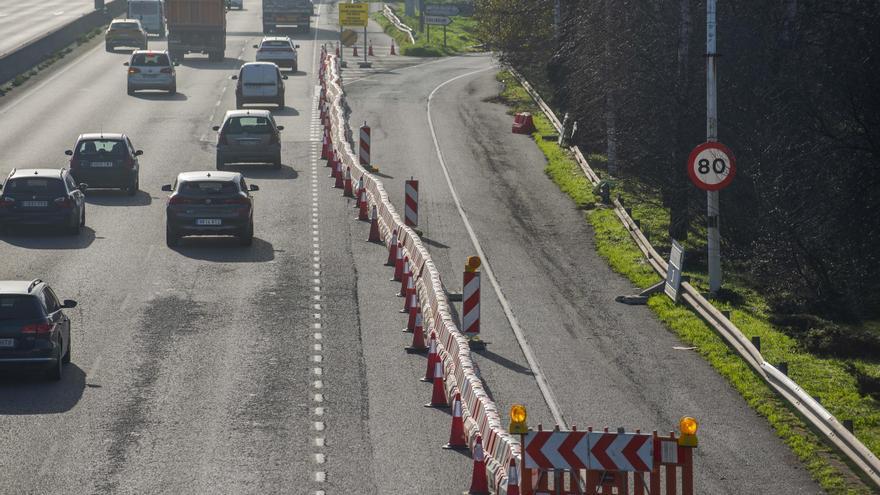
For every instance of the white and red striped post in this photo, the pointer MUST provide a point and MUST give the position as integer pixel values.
(411, 209)
(470, 297)
(364, 149)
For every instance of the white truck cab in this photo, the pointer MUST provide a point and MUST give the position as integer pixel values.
(151, 13)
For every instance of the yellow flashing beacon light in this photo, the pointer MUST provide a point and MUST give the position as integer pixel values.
(518, 420)
(688, 428)
(472, 264)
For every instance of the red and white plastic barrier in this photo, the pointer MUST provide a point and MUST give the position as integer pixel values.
(458, 372)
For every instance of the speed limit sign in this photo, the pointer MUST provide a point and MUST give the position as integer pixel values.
(711, 166)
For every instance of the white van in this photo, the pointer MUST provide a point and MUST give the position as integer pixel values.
(151, 13)
(259, 82)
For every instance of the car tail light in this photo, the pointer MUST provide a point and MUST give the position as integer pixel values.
(74, 163)
(64, 202)
(129, 162)
(238, 200)
(133, 70)
(37, 329)
(5, 202)
(273, 138)
(166, 70)
(222, 138)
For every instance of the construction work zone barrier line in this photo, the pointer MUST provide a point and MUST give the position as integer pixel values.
(808, 407)
(480, 414)
(389, 14)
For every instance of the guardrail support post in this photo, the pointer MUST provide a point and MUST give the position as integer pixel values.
(756, 341)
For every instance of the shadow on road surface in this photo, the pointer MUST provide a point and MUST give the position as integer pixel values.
(111, 197)
(27, 391)
(160, 95)
(263, 172)
(38, 237)
(222, 249)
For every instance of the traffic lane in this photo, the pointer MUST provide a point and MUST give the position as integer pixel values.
(106, 274)
(532, 230)
(22, 22)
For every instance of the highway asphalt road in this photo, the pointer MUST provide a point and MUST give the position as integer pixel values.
(22, 21)
(607, 364)
(210, 368)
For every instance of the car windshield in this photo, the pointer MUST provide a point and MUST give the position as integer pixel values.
(124, 25)
(249, 125)
(19, 307)
(150, 59)
(101, 147)
(207, 187)
(35, 185)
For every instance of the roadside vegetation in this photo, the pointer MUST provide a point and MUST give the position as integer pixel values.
(839, 382)
(460, 35)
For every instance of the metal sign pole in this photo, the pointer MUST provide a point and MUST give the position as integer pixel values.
(713, 213)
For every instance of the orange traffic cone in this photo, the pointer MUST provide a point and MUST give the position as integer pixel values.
(346, 188)
(331, 162)
(513, 479)
(370, 51)
(438, 394)
(410, 299)
(392, 48)
(374, 226)
(355, 52)
(392, 249)
(432, 359)
(479, 482)
(339, 181)
(324, 145)
(405, 274)
(358, 186)
(362, 212)
(398, 262)
(418, 341)
(456, 432)
(411, 320)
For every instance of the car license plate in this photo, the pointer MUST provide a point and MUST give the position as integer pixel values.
(7, 342)
(209, 221)
(102, 164)
(34, 204)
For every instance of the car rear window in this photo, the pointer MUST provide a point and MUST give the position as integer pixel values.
(124, 25)
(35, 185)
(208, 187)
(249, 125)
(143, 8)
(150, 59)
(101, 147)
(19, 307)
(276, 44)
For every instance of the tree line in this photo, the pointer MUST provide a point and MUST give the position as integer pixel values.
(799, 104)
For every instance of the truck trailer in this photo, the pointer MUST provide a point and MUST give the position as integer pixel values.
(196, 26)
(287, 13)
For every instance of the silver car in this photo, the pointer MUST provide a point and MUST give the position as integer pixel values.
(248, 136)
(278, 49)
(150, 69)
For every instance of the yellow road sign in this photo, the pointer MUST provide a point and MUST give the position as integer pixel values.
(353, 14)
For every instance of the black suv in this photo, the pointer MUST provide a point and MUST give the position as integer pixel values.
(106, 160)
(42, 196)
(33, 328)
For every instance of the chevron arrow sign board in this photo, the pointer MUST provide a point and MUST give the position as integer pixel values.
(571, 450)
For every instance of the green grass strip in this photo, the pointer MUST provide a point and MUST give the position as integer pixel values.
(459, 35)
(823, 377)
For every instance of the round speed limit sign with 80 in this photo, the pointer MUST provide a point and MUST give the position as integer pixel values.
(711, 166)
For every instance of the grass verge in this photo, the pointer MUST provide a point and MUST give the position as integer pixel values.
(459, 35)
(829, 379)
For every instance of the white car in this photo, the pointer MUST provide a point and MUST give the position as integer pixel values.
(278, 50)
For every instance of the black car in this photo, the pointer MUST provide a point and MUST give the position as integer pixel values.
(34, 331)
(41, 196)
(106, 161)
(209, 203)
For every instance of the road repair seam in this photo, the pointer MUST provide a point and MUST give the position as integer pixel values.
(543, 385)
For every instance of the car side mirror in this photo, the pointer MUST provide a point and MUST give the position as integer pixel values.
(254, 188)
(234, 78)
(280, 127)
(166, 188)
(125, 64)
(83, 187)
(283, 77)
(68, 303)
(68, 152)
(138, 152)
(256, 46)
(216, 128)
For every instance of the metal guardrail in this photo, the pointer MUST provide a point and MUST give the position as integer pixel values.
(389, 14)
(808, 407)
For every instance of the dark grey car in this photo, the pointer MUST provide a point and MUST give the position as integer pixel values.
(248, 136)
(209, 203)
(34, 331)
(42, 196)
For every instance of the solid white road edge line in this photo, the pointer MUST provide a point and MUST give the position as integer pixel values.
(549, 398)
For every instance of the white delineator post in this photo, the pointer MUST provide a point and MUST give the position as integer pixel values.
(713, 208)
(364, 148)
(411, 209)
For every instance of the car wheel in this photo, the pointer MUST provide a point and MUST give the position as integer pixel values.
(220, 162)
(130, 91)
(134, 187)
(82, 218)
(172, 90)
(108, 47)
(238, 104)
(57, 369)
(216, 56)
(276, 163)
(74, 226)
(172, 238)
(281, 102)
(66, 358)
(247, 237)
(294, 68)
